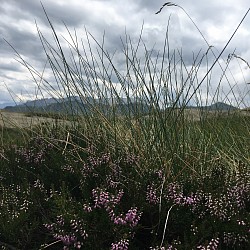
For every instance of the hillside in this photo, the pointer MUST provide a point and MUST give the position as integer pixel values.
(76, 106)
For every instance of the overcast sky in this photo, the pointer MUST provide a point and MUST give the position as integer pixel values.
(216, 20)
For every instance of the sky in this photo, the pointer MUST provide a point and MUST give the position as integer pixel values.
(22, 19)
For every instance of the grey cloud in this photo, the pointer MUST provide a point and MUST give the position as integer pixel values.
(32, 9)
(23, 42)
(9, 67)
(183, 34)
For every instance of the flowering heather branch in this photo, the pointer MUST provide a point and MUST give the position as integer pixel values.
(131, 218)
(235, 239)
(151, 195)
(14, 200)
(121, 245)
(76, 235)
(212, 245)
(175, 193)
(105, 199)
(31, 156)
(93, 166)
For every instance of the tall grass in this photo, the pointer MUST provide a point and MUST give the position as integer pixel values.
(133, 119)
(139, 107)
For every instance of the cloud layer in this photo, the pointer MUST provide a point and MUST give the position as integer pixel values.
(216, 20)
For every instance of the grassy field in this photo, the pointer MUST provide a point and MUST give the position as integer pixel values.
(26, 120)
(167, 178)
(74, 189)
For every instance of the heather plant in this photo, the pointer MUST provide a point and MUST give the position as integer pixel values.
(102, 201)
(132, 170)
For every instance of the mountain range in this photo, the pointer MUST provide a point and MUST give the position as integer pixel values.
(218, 106)
(76, 105)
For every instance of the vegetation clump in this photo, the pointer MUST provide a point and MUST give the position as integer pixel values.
(102, 200)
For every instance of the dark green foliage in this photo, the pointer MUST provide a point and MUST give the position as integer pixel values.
(47, 193)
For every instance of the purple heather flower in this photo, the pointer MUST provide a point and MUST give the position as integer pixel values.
(157, 248)
(213, 244)
(131, 159)
(78, 245)
(118, 220)
(87, 208)
(105, 199)
(189, 200)
(175, 193)
(160, 174)
(200, 247)
(151, 195)
(121, 245)
(78, 226)
(133, 217)
(67, 240)
(60, 220)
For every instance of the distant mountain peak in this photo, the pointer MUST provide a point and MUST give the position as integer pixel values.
(221, 106)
